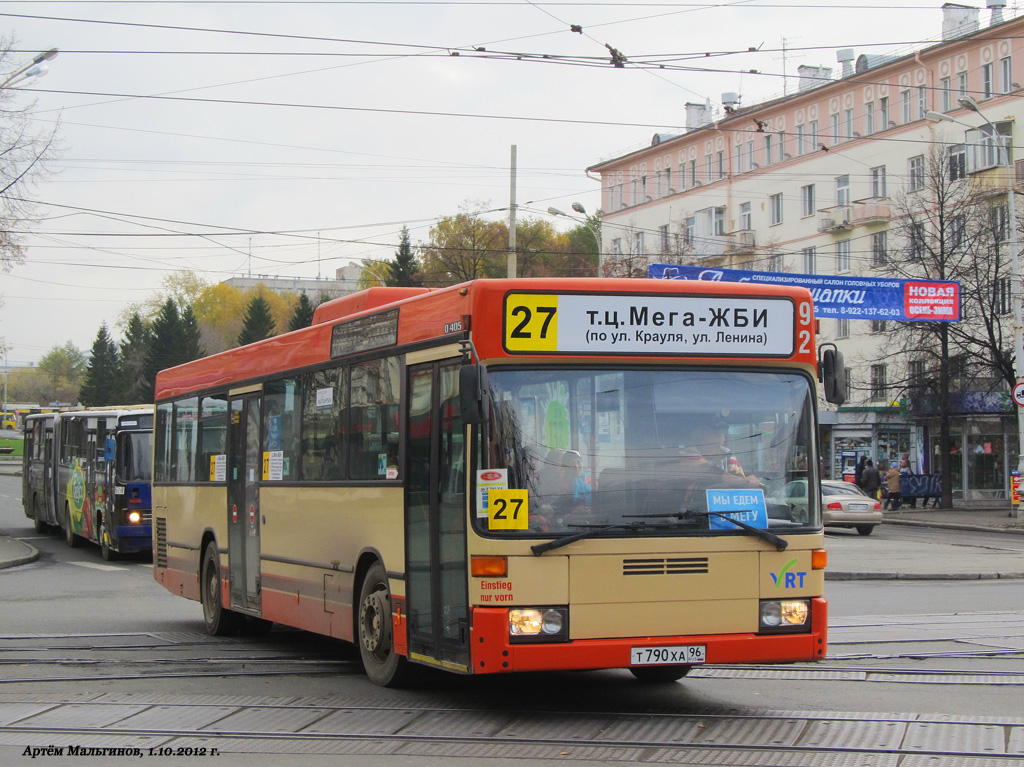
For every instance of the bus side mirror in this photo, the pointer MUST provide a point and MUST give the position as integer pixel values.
(832, 375)
(108, 450)
(473, 388)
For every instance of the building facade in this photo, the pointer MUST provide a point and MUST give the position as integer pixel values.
(810, 183)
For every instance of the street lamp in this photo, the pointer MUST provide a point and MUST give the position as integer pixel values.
(1018, 300)
(586, 222)
(35, 68)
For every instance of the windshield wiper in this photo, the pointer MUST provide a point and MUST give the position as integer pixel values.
(565, 540)
(780, 543)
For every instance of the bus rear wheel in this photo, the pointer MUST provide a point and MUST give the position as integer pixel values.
(660, 673)
(375, 631)
(109, 554)
(69, 534)
(219, 620)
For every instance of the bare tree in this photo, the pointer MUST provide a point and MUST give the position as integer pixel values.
(947, 226)
(24, 150)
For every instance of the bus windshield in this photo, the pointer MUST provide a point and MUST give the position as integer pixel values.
(641, 448)
(136, 458)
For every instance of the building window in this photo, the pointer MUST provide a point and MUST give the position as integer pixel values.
(719, 221)
(775, 262)
(807, 201)
(987, 82)
(986, 147)
(690, 230)
(915, 373)
(905, 101)
(618, 202)
(781, 142)
(693, 173)
(809, 257)
(957, 162)
(634, 186)
(800, 139)
(843, 256)
(668, 181)
(663, 238)
(917, 240)
(842, 328)
(745, 222)
(750, 155)
(879, 249)
(848, 125)
(643, 188)
(659, 190)
(812, 135)
(869, 118)
(1005, 75)
(916, 173)
(843, 190)
(835, 129)
(877, 326)
(638, 243)
(775, 209)
(768, 150)
(946, 86)
(922, 102)
(1001, 223)
(879, 391)
(962, 84)
(1003, 298)
(878, 181)
(720, 158)
(883, 113)
(708, 165)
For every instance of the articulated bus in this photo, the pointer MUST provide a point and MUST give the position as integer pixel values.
(509, 475)
(88, 472)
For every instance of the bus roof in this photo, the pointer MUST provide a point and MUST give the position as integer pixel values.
(381, 318)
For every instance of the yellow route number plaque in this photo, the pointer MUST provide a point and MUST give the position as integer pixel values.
(531, 322)
(508, 510)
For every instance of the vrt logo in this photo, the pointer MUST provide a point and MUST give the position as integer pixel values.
(786, 579)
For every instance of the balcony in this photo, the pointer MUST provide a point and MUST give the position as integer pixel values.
(836, 219)
(741, 242)
(870, 213)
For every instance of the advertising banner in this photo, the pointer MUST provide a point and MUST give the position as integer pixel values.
(855, 298)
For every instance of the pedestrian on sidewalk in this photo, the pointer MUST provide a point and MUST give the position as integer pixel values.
(858, 471)
(870, 480)
(892, 482)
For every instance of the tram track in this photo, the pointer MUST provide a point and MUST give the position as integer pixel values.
(702, 737)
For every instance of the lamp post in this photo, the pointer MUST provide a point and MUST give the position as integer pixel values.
(586, 222)
(1018, 299)
(35, 68)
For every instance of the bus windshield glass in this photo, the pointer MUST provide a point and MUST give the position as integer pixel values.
(640, 450)
(136, 458)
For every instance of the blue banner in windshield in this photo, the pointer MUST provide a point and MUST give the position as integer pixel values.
(744, 505)
(855, 298)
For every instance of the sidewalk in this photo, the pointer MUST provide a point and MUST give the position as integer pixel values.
(14, 552)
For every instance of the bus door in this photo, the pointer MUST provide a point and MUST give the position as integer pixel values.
(244, 471)
(435, 521)
(49, 499)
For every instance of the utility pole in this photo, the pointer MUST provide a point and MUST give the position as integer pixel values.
(512, 220)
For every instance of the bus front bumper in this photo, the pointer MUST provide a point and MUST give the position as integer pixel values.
(493, 653)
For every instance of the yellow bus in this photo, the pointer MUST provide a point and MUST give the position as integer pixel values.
(509, 475)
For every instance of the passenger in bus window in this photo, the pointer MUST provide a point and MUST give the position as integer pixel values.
(575, 488)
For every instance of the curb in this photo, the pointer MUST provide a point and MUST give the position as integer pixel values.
(892, 576)
(31, 555)
(954, 526)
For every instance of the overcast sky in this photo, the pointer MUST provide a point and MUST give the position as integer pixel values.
(289, 138)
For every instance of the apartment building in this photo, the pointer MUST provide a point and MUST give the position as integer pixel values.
(806, 183)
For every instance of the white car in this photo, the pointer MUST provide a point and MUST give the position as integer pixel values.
(843, 504)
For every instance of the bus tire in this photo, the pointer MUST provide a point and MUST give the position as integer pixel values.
(69, 535)
(37, 519)
(375, 631)
(109, 554)
(660, 674)
(219, 620)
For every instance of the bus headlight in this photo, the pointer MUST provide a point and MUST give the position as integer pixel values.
(780, 615)
(134, 517)
(538, 624)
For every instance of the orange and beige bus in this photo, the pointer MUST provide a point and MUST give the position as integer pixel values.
(510, 475)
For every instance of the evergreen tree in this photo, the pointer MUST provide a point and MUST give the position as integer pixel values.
(404, 271)
(258, 324)
(134, 349)
(167, 345)
(191, 347)
(303, 316)
(102, 377)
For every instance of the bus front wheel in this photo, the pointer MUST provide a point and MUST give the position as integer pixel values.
(383, 665)
(219, 620)
(69, 534)
(660, 673)
(37, 522)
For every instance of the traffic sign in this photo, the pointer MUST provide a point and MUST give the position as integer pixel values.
(1018, 393)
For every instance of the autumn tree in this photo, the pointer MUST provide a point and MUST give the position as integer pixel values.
(464, 247)
(258, 323)
(102, 384)
(62, 368)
